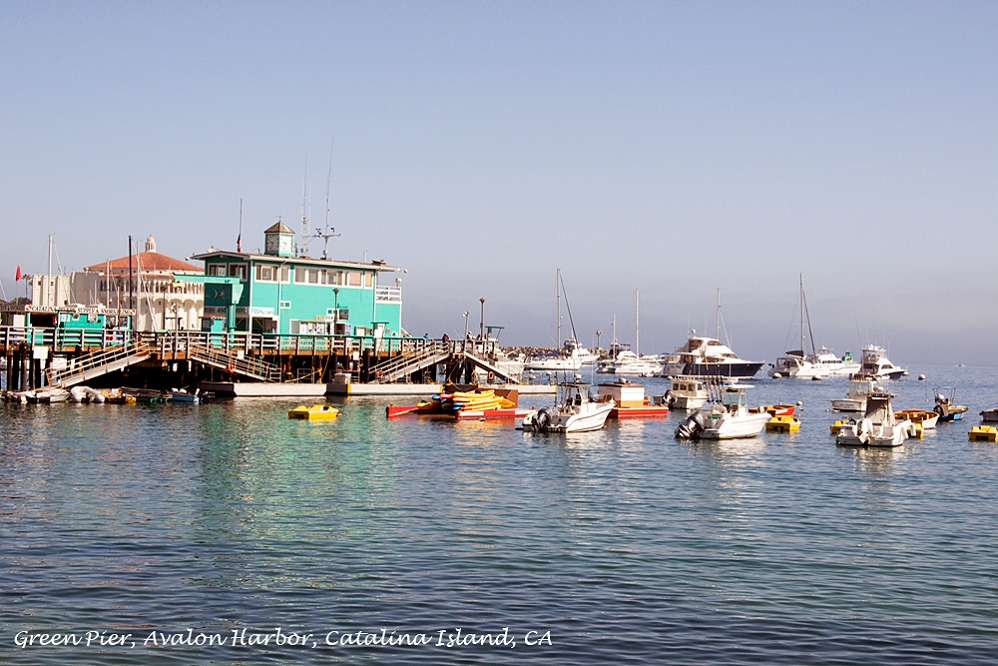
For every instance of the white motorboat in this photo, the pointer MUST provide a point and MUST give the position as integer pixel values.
(875, 363)
(685, 393)
(860, 387)
(730, 419)
(573, 356)
(575, 411)
(878, 427)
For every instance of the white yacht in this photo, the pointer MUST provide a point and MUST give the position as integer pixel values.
(875, 363)
(702, 356)
(575, 411)
(878, 427)
(860, 387)
(730, 419)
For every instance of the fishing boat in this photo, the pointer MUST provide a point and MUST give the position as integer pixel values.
(947, 409)
(686, 393)
(878, 427)
(859, 388)
(575, 411)
(728, 419)
(875, 364)
(314, 413)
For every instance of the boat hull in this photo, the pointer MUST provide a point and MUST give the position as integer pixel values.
(734, 370)
(736, 428)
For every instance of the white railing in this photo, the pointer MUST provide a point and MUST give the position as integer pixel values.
(388, 294)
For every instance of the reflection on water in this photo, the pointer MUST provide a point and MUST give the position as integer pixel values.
(625, 542)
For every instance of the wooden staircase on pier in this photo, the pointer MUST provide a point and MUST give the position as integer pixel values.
(98, 364)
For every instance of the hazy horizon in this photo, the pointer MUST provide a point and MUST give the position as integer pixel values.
(678, 148)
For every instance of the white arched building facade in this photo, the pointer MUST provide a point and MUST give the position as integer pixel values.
(159, 302)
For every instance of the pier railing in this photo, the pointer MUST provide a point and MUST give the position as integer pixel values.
(73, 340)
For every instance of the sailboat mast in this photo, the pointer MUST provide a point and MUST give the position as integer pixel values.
(801, 314)
(48, 278)
(717, 317)
(637, 322)
(557, 288)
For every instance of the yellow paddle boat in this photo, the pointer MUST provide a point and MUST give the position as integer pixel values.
(838, 425)
(783, 424)
(983, 433)
(314, 413)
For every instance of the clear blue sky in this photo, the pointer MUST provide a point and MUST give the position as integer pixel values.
(673, 147)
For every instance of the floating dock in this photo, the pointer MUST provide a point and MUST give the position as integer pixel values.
(648, 412)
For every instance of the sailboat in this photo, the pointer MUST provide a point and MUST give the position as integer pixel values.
(629, 362)
(573, 355)
(816, 365)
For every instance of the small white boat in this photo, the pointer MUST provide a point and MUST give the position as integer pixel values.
(730, 419)
(685, 393)
(878, 427)
(575, 411)
(85, 394)
(859, 388)
(48, 394)
(876, 364)
(180, 395)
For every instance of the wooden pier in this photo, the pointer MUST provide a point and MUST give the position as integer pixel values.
(36, 357)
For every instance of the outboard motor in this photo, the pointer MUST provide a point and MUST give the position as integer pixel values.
(542, 420)
(691, 428)
(669, 399)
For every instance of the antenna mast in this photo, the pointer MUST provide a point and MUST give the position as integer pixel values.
(328, 233)
(304, 211)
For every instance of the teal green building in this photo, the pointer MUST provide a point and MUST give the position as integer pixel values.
(279, 292)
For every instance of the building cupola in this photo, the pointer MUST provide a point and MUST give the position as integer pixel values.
(279, 241)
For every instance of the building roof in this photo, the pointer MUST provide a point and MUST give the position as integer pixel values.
(376, 265)
(279, 228)
(147, 262)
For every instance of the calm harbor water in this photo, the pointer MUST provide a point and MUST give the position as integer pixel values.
(626, 545)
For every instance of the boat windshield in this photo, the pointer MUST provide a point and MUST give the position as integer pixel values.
(734, 398)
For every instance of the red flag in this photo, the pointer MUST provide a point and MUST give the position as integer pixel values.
(18, 273)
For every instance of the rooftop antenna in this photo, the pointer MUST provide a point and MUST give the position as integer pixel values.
(304, 212)
(328, 233)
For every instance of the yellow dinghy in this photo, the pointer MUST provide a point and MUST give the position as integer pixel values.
(314, 413)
